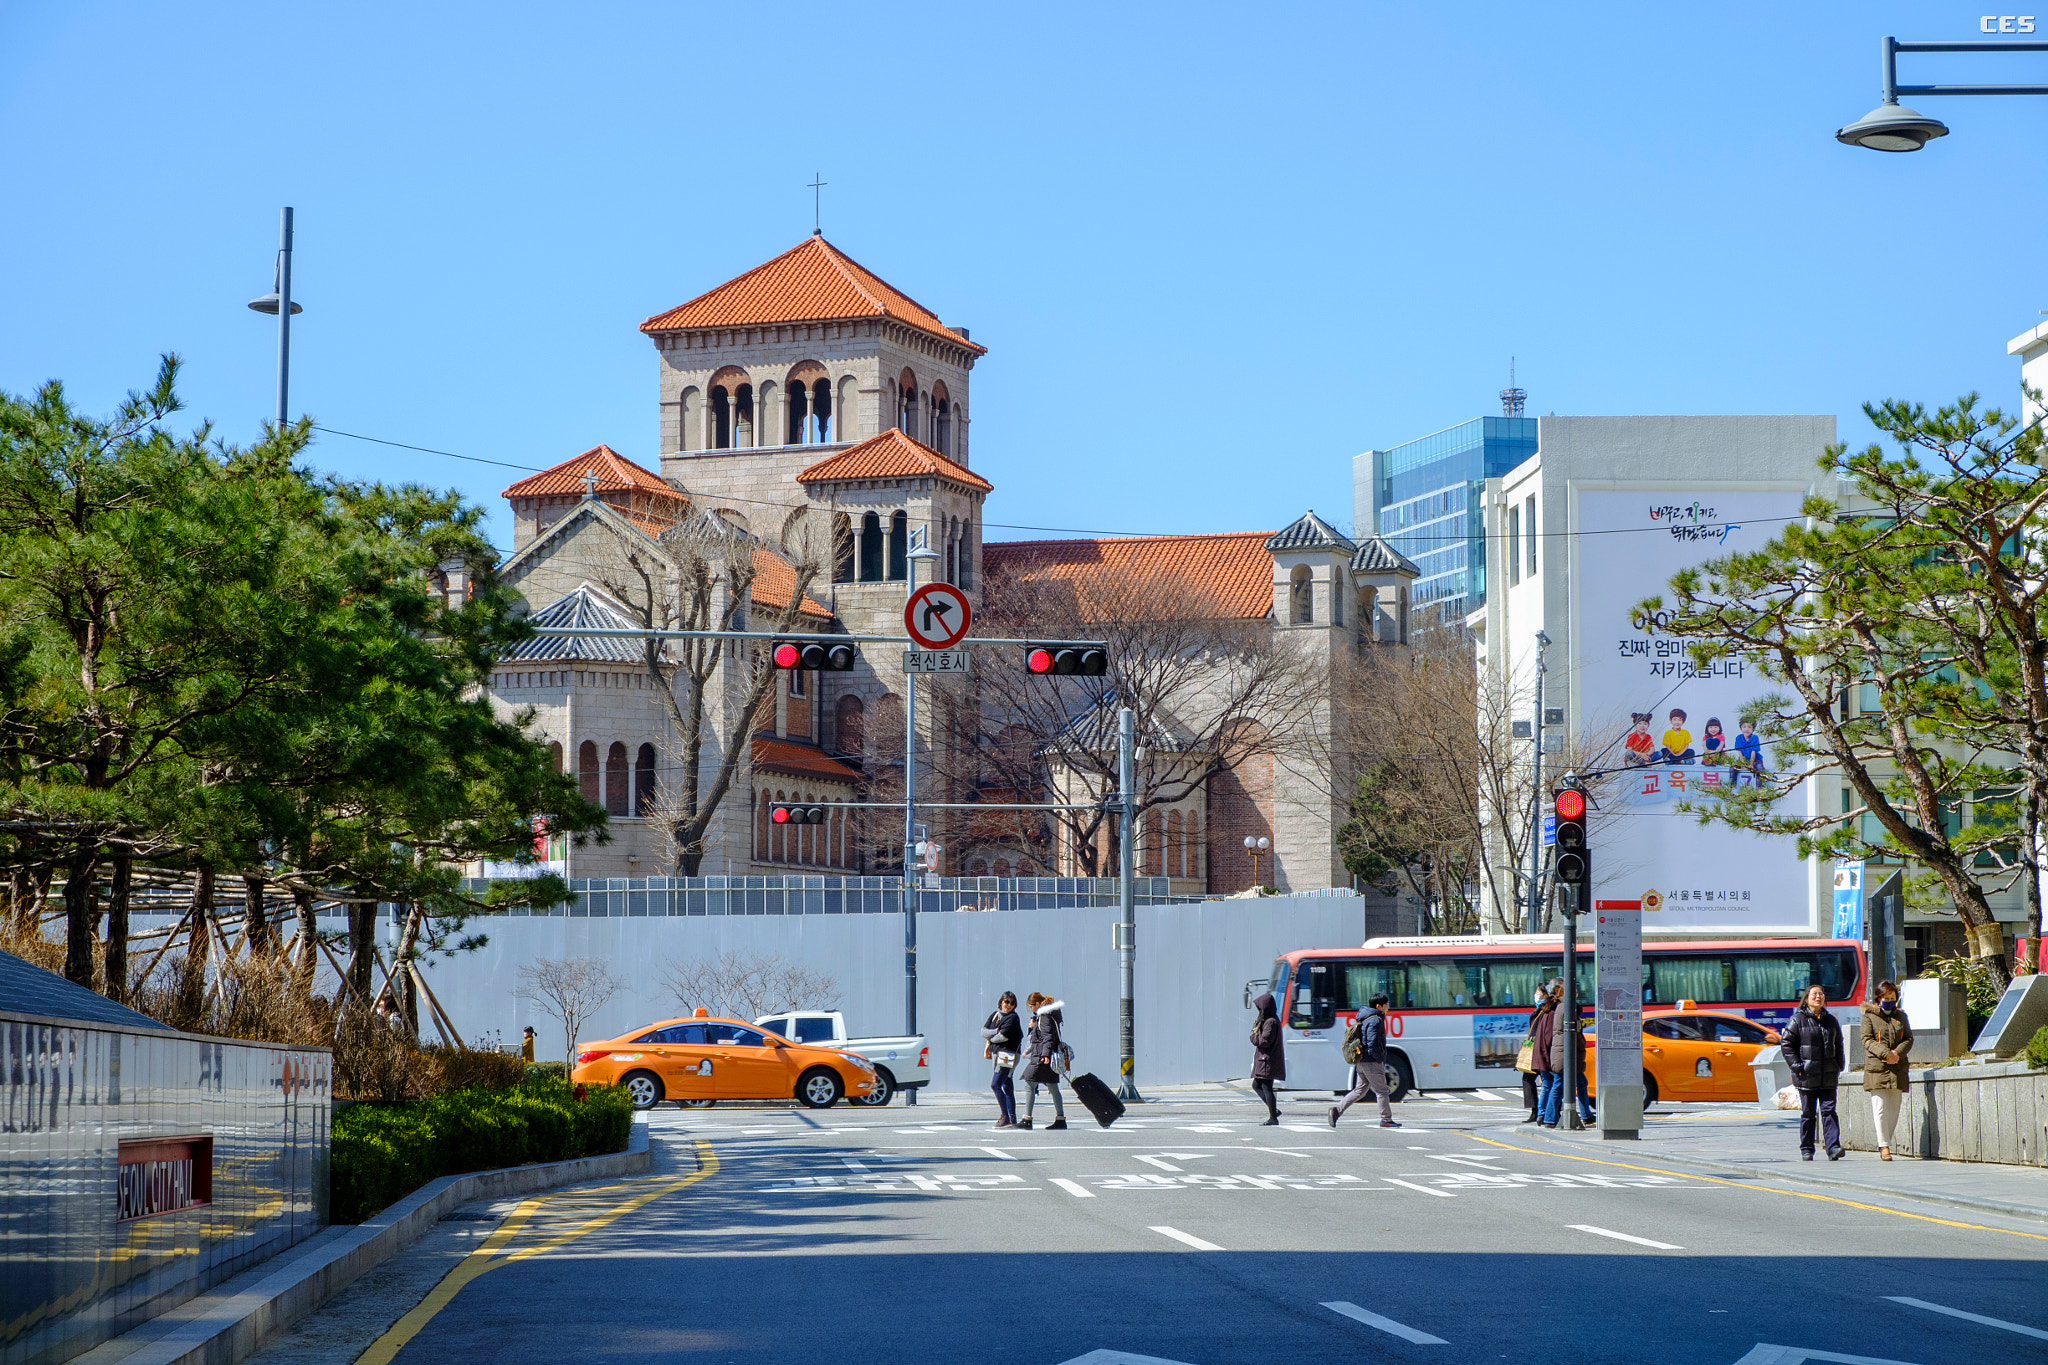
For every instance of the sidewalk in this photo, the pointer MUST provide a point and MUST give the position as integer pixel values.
(1765, 1144)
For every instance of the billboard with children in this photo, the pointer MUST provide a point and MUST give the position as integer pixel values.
(1672, 728)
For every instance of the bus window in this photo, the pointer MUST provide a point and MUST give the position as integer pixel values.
(1772, 976)
(1364, 980)
(1442, 985)
(1314, 1003)
(1835, 970)
(1681, 976)
(1515, 983)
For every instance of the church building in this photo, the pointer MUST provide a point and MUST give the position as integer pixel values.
(816, 433)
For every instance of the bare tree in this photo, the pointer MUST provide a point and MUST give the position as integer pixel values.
(739, 984)
(706, 573)
(1210, 690)
(570, 990)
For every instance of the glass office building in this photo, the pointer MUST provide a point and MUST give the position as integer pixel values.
(1424, 497)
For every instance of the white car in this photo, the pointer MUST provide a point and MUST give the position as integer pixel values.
(902, 1063)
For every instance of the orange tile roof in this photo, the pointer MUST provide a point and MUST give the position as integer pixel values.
(813, 281)
(615, 473)
(801, 760)
(892, 455)
(775, 580)
(1234, 567)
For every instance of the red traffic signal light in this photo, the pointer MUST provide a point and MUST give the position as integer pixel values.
(1088, 661)
(1574, 864)
(1571, 804)
(814, 655)
(797, 815)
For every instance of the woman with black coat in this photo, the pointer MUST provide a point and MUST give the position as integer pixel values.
(1269, 1059)
(1038, 1068)
(1813, 1050)
(1543, 1041)
(1002, 1039)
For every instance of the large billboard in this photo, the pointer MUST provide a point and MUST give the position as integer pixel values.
(1669, 730)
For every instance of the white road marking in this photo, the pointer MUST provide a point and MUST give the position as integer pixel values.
(853, 1165)
(1103, 1356)
(1156, 1161)
(1282, 1151)
(1624, 1237)
(1177, 1235)
(1001, 1155)
(1399, 1329)
(1971, 1317)
(1765, 1354)
(1502, 1099)
(1073, 1188)
(1441, 1194)
(1479, 1161)
(1203, 1128)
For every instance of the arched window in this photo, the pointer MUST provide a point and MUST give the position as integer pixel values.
(644, 791)
(821, 410)
(871, 548)
(778, 846)
(906, 403)
(554, 756)
(1002, 867)
(899, 547)
(966, 579)
(810, 403)
(978, 868)
(1301, 597)
(615, 779)
(587, 780)
(942, 419)
(761, 827)
(842, 548)
(849, 726)
(743, 424)
(1174, 850)
(1337, 602)
(721, 418)
(1155, 860)
(799, 414)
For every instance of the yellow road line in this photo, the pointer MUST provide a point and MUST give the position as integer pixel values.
(487, 1258)
(1765, 1189)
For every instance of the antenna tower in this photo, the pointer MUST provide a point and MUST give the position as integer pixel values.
(1512, 399)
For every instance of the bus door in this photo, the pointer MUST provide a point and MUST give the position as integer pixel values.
(1314, 1038)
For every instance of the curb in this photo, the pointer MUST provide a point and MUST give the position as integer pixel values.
(239, 1324)
(1870, 1193)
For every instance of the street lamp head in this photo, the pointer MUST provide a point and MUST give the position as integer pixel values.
(1265, 844)
(1892, 127)
(268, 304)
(1250, 842)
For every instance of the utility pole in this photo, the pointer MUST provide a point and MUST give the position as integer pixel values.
(1533, 917)
(1127, 928)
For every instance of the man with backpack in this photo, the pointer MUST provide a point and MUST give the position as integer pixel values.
(1365, 1047)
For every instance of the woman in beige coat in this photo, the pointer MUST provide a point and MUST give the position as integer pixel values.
(1887, 1038)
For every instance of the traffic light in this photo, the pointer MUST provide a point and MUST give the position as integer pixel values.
(797, 815)
(814, 655)
(1574, 858)
(1089, 661)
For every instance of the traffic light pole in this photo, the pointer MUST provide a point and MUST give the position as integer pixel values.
(1127, 929)
(1570, 1007)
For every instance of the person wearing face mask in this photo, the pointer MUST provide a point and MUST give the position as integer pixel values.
(1813, 1051)
(1887, 1038)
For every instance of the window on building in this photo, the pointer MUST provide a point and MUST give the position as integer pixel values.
(645, 793)
(849, 727)
(899, 547)
(1514, 546)
(1529, 520)
(721, 418)
(588, 781)
(871, 548)
(615, 779)
(842, 548)
(554, 756)
(1301, 596)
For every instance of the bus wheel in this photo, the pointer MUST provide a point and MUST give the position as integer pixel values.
(1403, 1076)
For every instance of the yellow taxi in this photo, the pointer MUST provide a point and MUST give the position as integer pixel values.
(701, 1060)
(1695, 1054)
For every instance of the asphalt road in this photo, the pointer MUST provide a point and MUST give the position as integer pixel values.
(1186, 1233)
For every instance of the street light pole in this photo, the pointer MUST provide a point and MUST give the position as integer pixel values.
(1892, 127)
(279, 301)
(910, 819)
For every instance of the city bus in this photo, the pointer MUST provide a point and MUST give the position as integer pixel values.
(1460, 1006)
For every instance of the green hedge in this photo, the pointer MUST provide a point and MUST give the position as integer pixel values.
(2037, 1048)
(382, 1153)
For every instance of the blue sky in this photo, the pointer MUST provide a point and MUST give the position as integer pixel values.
(1214, 251)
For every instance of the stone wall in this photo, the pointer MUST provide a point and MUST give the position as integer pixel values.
(1996, 1112)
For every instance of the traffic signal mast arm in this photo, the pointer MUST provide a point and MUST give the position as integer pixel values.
(612, 633)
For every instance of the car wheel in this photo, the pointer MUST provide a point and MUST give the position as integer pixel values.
(644, 1087)
(1649, 1090)
(695, 1104)
(884, 1091)
(1403, 1074)
(819, 1088)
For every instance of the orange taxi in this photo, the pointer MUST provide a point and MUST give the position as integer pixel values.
(702, 1060)
(1695, 1054)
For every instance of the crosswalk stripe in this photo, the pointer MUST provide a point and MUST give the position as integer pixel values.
(1399, 1329)
(1177, 1235)
(1971, 1317)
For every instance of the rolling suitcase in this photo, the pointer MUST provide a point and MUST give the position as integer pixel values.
(1099, 1098)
